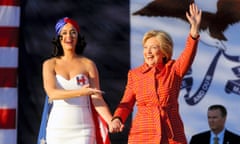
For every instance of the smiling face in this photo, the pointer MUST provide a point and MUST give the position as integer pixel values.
(152, 52)
(69, 37)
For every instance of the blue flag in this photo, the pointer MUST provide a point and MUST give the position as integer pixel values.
(43, 125)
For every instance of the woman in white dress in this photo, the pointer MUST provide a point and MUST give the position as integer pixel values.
(71, 82)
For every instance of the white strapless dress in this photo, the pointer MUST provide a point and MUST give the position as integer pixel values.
(70, 120)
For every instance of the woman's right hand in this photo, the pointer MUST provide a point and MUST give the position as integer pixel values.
(87, 90)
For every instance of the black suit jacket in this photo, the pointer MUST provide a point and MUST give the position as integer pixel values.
(204, 138)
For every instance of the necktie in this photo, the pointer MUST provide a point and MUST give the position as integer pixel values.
(215, 140)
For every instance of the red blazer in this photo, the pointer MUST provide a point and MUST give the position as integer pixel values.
(155, 92)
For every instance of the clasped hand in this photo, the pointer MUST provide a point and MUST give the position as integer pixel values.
(115, 126)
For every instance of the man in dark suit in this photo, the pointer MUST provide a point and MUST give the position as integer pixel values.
(217, 134)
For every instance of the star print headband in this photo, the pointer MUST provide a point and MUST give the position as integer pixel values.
(59, 25)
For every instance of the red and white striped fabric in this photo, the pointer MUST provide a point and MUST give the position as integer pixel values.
(9, 31)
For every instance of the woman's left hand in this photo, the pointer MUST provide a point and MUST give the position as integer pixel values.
(194, 17)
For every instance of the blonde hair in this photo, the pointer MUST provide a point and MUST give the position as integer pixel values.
(165, 40)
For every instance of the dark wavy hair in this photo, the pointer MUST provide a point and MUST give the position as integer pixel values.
(58, 49)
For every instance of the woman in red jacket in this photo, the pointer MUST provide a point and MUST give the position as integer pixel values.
(154, 87)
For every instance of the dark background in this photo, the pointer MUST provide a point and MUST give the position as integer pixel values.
(106, 27)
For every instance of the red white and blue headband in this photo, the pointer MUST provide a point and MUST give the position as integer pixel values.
(59, 25)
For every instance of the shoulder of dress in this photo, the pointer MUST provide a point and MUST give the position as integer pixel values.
(137, 69)
(170, 62)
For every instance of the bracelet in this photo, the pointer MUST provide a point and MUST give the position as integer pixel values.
(116, 117)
